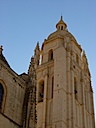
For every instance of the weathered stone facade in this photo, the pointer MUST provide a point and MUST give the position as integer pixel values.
(55, 93)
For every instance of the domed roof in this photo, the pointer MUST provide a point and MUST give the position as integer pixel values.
(61, 31)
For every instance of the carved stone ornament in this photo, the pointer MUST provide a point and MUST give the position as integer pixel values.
(68, 48)
(46, 72)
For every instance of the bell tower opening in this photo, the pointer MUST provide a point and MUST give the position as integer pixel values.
(50, 56)
(41, 91)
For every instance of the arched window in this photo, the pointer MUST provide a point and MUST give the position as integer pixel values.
(75, 88)
(52, 88)
(50, 55)
(1, 95)
(41, 91)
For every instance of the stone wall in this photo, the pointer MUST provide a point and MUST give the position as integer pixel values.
(13, 98)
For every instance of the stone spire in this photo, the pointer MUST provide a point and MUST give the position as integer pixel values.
(61, 25)
(37, 54)
(2, 57)
(1, 49)
(30, 115)
(31, 66)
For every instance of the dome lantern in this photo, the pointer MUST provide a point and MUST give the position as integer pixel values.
(61, 25)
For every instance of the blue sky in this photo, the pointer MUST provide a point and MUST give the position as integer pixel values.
(25, 22)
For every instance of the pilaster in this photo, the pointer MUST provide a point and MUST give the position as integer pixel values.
(45, 98)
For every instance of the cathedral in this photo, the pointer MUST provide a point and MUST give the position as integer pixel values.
(55, 93)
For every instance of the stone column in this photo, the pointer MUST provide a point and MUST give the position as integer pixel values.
(70, 87)
(83, 97)
(73, 101)
(92, 110)
(45, 98)
(69, 92)
(28, 113)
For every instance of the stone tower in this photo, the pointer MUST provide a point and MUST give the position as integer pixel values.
(64, 96)
(55, 93)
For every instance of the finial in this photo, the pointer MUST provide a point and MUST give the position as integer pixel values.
(37, 46)
(38, 43)
(32, 59)
(61, 17)
(1, 49)
(84, 53)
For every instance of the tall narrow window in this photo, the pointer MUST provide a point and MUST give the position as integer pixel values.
(52, 87)
(1, 95)
(61, 27)
(75, 88)
(77, 58)
(41, 91)
(50, 55)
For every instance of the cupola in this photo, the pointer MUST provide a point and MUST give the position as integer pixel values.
(61, 25)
